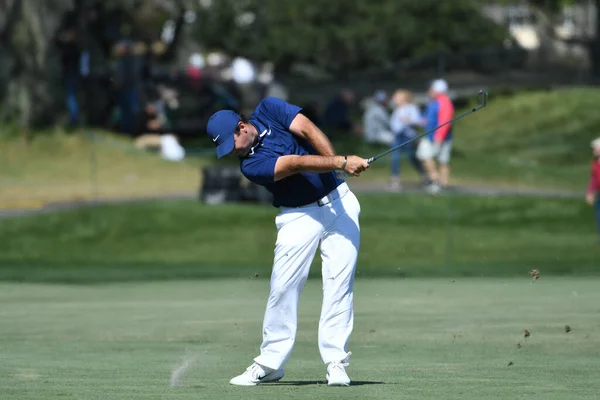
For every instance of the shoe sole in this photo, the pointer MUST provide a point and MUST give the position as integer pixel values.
(243, 384)
(257, 383)
(341, 384)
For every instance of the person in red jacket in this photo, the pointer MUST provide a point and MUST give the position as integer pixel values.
(438, 144)
(593, 192)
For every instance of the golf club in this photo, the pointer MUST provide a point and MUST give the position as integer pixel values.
(481, 96)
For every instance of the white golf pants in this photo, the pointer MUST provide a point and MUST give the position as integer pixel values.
(300, 231)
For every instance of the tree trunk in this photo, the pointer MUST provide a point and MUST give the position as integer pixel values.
(594, 46)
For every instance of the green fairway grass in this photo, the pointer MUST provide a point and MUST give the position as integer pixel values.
(85, 165)
(413, 339)
(401, 235)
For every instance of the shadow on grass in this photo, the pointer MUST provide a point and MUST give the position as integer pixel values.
(308, 383)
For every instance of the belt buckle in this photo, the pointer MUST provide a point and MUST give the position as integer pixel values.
(323, 201)
(328, 199)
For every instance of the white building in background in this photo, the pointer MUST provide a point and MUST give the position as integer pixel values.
(576, 22)
(520, 21)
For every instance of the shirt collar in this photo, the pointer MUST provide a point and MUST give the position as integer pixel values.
(263, 132)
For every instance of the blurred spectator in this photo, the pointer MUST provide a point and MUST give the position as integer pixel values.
(95, 65)
(337, 112)
(243, 75)
(593, 192)
(273, 82)
(69, 44)
(405, 120)
(376, 120)
(167, 144)
(128, 82)
(154, 116)
(103, 56)
(242, 71)
(438, 144)
(169, 96)
(156, 126)
(194, 70)
(215, 64)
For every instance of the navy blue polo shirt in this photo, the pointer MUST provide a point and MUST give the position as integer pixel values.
(272, 119)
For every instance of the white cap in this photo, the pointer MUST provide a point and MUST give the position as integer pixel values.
(596, 143)
(197, 60)
(215, 59)
(242, 70)
(439, 86)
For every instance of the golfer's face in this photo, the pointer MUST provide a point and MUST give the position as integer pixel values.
(243, 140)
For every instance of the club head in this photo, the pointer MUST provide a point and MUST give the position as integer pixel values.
(482, 96)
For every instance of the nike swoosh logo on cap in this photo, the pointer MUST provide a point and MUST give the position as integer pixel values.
(215, 139)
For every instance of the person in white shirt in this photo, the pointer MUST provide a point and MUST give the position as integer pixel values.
(404, 122)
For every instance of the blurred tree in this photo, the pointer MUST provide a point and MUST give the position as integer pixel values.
(25, 44)
(342, 35)
(549, 11)
(30, 59)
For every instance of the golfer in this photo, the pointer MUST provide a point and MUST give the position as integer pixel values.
(282, 150)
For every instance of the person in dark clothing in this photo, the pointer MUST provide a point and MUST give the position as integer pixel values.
(68, 42)
(337, 113)
(128, 82)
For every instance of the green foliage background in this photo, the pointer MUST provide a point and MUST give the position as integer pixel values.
(341, 35)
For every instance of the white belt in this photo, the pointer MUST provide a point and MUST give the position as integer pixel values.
(335, 194)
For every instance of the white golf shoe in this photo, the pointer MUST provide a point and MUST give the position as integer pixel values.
(433, 188)
(256, 374)
(336, 372)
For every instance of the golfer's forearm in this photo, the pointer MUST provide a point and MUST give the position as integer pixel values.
(289, 165)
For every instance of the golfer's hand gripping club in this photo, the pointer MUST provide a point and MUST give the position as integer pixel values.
(355, 165)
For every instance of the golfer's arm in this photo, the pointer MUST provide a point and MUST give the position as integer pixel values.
(306, 129)
(293, 164)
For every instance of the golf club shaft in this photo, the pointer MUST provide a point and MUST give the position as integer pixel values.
(482, 103)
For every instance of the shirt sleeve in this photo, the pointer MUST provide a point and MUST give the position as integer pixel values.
(281, 111)
(259, 170)
(431, 115)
